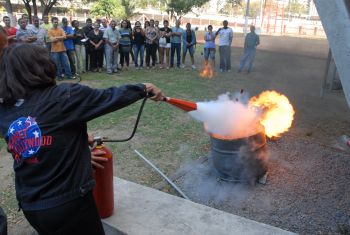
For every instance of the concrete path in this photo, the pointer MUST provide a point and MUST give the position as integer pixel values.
(146, 211)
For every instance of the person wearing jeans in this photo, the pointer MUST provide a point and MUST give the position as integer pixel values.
(139, 38)
(226, 36)
(125, 45)
(69, 44)
(175, 40)
(151, 44)
(58, 51)
(112, 37)
(250, 43)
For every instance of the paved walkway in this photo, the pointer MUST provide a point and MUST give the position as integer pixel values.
(146, 211)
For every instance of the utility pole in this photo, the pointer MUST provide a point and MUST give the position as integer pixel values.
(246, 18)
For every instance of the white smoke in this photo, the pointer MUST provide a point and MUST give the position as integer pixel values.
(228, 116)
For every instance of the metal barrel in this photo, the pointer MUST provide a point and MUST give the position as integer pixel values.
(241, 159)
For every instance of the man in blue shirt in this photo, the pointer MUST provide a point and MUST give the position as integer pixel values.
(176, 37)
(251, 42)
(69, 44)
(24, 34)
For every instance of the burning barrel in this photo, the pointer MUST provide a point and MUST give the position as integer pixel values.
(239, 160)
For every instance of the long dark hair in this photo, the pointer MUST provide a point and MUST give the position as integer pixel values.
(24, 67)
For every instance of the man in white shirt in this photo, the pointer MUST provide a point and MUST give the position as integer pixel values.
(226, 36)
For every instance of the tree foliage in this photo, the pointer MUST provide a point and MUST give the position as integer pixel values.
(231, 7)
(294, 7)
(113, 8)
(178, 8)
(174, 8)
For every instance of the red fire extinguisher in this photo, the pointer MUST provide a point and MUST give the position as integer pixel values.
(103, 191)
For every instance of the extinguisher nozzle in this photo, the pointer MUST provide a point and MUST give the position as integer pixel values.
(182, 104)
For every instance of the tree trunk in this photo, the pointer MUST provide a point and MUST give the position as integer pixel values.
(35, 8)
(8, 7)
(28, 9)
(48, 7)
(9, 10)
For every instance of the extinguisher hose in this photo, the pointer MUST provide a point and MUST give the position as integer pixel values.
(135, 126)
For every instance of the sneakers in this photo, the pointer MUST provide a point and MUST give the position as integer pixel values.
(182, 66)
(221, 70)
(193, 67)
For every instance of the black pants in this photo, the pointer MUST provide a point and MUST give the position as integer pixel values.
(151, 51)
(96, 59)
(79, 216)
(87, 51)
(3, 223)
(124, 55)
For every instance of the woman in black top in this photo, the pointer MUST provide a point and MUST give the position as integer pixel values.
(45, 127)
(96, 48)
(164, 45)
(138, 36)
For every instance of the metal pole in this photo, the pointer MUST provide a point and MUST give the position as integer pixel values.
(329, 58)
(246, 18)
(161, 173)
(282, 17)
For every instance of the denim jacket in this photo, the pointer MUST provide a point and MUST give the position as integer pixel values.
(184, 37)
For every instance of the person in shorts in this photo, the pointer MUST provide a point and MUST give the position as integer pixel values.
(188, 42)
(164, 45)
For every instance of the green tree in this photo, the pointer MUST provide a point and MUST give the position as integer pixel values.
(113, 8)
(231, 7)
(178, 8)
(294, 7)
(254, 9)
(174, 8)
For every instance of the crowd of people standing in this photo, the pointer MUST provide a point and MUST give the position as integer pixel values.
(103, 45)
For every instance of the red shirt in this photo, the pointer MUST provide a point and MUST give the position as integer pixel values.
(10, 32)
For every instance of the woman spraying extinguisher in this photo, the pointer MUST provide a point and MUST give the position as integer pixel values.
(44, 125)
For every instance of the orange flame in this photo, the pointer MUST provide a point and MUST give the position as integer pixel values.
(207, 71)
(278, 112)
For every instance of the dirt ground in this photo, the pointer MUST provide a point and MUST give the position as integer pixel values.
(295, 67)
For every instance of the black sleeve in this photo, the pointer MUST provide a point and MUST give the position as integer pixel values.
(82, 103)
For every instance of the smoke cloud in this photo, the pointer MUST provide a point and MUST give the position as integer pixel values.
(228, 116)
